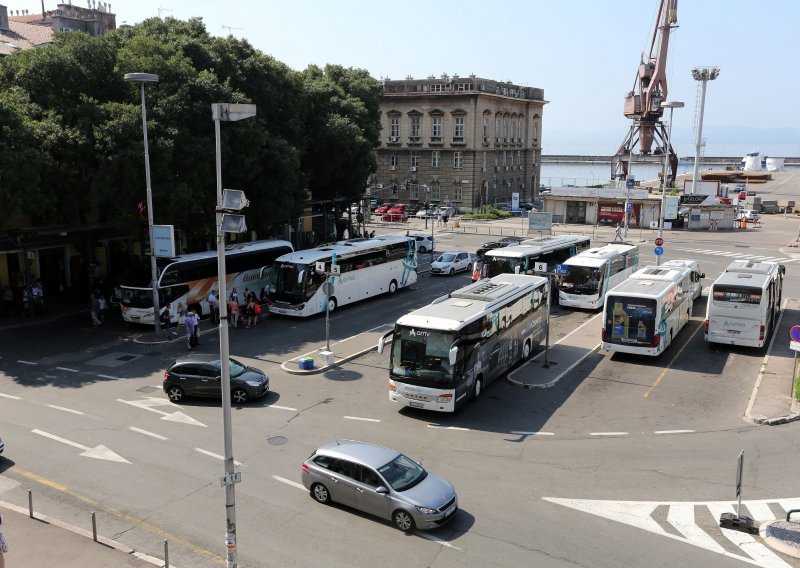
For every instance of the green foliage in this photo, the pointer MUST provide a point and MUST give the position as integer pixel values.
(489, 213)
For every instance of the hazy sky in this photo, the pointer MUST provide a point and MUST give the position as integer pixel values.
(583, 53)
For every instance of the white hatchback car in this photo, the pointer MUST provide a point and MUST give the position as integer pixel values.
(452, 262)
(425, 242)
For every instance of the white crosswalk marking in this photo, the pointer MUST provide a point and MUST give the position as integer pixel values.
(739, 255)
(681, 516)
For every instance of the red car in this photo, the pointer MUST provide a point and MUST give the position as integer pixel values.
(381, 209)
(395, 217)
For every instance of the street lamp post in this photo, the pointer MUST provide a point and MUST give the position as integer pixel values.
(704, 75)
(227, 201)
(671, 105)
(143, 78)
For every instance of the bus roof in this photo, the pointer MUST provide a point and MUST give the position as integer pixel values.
(232, 248)
(595, 257)
(341, 248)
(762, 267)
(535, 246)
(746, 279)
(650, 282)
(461, 306)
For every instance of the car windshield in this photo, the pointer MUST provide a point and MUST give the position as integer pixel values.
(236, 367)
(448, 257)
(422, 357)
(581, 280)
(402, 473)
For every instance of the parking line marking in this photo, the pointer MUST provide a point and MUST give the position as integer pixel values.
(146, 433)
(67, 369)
(213, 455)
(608, 434)
(64, 409)
(109, 377)
(26, 362)
(448, 428)
(364, 419)
(436, 540)
(519, 433)
(673, 432)
(11, 396)
(282, 407)
(672, 361)
(288, 482)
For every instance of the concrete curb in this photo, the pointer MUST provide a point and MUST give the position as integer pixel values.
(561, 375)
(316, 370)
(778, 544)
(83, 532)
(180, 337)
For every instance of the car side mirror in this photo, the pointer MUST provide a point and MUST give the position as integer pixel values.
(452, 355)
(382, 490)
(702, 275)
(381, 345)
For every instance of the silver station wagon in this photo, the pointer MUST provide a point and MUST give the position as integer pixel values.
(381, 482)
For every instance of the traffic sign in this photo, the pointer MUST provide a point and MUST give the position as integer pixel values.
(794, 333)
(540, 267)
(794, 345)
(629, 207)
(629, 183)
(659, 241)
(659, 251)
(561, 269)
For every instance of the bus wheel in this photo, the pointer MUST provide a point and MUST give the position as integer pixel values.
(477, 388)
(393, 286)
(526, 350)
(331, 303)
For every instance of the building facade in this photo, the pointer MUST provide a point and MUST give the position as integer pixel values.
(465, 142)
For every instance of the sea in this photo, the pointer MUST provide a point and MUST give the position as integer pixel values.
(596, 173)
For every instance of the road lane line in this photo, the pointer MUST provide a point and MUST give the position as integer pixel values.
(45, 481)
(109, 377)
(519, 433)
(436, 540)
(213, 455)
(67, 369)
(11, 396)
(62, 440)
(672, 361)
(674, 432)
(608, 433)
(26, 362)
(364, 419)
(53, 406)
(146, 433)
(282, 407)
(288, 482)
(448, 428)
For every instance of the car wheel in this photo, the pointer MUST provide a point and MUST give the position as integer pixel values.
(469, 268)
(331, 303)
(320, 493)
(175, 393)
(526, 350)
(403, 520)
(239, 396)
(423, 250)
(393, 286)
(477, 388)
(452, 271)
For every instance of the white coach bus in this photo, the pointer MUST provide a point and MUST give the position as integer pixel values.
(744, 303)
(445, 353)
(643, 314)
(366, 268)
(522, 258)
(187, 279)
(593, 272)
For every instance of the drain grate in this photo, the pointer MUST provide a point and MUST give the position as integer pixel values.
(277, 440)
(147, 389)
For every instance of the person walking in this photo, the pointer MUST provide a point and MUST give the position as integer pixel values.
(251, 310)
(618, 235)
(233, 313)
(102, 307)
(190, 329)
(3, 545)
(213, 307)
(166, 321)
(94, 308)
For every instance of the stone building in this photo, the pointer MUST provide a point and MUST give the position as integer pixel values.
(465, 142)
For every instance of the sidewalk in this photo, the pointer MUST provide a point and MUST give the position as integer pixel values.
(343, 351)
(44, 542)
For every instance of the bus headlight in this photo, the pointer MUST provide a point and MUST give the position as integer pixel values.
(444, 398)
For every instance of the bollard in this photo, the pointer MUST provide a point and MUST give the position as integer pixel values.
(30, 504)
(166, 554)
(94, 527)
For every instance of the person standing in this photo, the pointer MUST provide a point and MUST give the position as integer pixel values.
(166, 321)
(102, 307)
(213, 307)
(196, 320)
(190, 337)
(233, 313)
(94, 307)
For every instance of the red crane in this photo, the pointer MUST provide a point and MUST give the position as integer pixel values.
(643, 102)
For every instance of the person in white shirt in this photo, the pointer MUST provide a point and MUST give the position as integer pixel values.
(213, 307)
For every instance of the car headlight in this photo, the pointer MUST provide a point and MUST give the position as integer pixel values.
(254, 383)
(426, 511)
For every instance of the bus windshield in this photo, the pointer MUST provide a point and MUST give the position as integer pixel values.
(630, 320)
(723, 294)
(497, 265)
(581, 280)
(421, 357)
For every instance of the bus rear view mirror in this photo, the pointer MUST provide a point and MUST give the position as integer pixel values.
(453, 354)
(300, 276)
(381, 345)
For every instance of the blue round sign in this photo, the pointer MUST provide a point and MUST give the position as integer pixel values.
(794, 333)
(659, 251)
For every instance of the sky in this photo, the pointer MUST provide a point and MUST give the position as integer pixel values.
(583, 53)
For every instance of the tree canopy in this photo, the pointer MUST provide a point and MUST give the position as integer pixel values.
(72, 143)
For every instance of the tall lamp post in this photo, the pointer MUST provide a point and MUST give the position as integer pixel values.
(143, 78)
(671, 105)
(228, 202)
(704, 75)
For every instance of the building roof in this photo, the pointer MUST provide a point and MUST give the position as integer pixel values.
(20, 35)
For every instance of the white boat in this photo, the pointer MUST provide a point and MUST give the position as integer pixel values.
(775, 164)
(751, 162)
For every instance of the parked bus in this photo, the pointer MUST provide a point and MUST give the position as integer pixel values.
(187, 279)
(643, 314)
(366, 268)
(522, 258)
(447, 352)
(744, 302)
(593, 272)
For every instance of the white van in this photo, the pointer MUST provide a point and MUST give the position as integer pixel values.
(696, 281)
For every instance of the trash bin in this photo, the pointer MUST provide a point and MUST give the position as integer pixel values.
(305, 363)
(744, 222)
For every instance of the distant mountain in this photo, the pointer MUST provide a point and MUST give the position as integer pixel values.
(724, 140)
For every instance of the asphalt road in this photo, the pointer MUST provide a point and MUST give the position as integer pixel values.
(619, 449)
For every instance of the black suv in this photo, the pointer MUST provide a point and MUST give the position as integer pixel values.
(201, 375)
(490, 246)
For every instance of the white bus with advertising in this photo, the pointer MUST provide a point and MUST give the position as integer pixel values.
(643, 314)
(744, 303)
(590, 274)
(189, 278)
(523, 258)
(357, 269)
(446, 353)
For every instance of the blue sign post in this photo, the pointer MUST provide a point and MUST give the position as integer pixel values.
(629, 183)
(659, 251)
(561, 268)
(794, 333)
(629, 207)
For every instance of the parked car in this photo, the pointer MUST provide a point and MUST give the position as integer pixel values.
(422, 213)
(381, 209)
(511, 240)
(491, 246)
(443, 210)
(200, 375)
(452, 262)
(381, 482)
(395, 217)
(425, 242)
(751, 215)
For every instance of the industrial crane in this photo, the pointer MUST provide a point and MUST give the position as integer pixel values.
(643, 102)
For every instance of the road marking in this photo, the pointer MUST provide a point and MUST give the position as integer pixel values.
(64, 409)
(520, 433)
(11, 396)
(109, 377)
(98, 452)
(436, 540)
(448, 428)
(149, 402)
(282, 407)
(26, 362)
(608, 433)
(748, 543)
(67, 369)
(673, 432)
(675, 358)
(213, 455)
(288, 482)
(146, 433)
(364, 419)
(44, 481)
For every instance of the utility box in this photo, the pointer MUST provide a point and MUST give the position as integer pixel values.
(327, 358)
